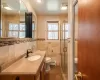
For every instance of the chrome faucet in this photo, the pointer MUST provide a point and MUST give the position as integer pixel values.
(28, 51)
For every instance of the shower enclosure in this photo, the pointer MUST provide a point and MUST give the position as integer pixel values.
(64, 47)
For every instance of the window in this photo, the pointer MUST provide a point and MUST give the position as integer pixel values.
(33, 30)
(53, 30)
(18, 31)
(65, 31)
(13, 30)
(22, 30)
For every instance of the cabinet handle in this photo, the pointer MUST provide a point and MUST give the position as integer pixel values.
(17, 78)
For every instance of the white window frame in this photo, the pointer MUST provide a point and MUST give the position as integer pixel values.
(33, 31)
(21, 30)
(64, 30)
(52, 30)
(13, 30)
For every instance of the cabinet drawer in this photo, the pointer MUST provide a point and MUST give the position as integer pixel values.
(38, 78)
(6, 77)
(23, 77)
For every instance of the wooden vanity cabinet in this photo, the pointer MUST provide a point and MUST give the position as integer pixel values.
(17, 77)
(6, 77)
(42, 72)
(39, 76)
(23, 77)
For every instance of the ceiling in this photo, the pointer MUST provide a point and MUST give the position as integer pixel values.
(48, 7)
(15, 5)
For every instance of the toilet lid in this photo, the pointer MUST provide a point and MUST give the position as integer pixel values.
(48, 58)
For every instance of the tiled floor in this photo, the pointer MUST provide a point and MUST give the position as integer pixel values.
(54, 74)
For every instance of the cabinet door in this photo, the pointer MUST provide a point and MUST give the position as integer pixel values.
(23, 77)
(38, 78)
(6, 77)
(42, 72)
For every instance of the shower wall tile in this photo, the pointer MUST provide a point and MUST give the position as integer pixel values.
(52, 49)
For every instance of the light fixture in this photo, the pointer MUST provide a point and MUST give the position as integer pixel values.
(20, 1)
(39, 1)
(6, 7)
(64, 8)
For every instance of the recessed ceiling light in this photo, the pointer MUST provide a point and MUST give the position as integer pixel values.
(8, 8)
(20, 1)
(64, 8)
(39, 1)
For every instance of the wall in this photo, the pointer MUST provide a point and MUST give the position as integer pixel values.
(51, 46)
(10, 53)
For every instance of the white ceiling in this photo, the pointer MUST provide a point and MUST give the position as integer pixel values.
(48, 7)
(15, 5)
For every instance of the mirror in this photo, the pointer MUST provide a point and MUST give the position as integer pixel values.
(13, 19)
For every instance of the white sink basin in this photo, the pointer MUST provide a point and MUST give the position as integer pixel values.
(34, 58)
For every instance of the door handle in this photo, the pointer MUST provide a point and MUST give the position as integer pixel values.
(79, 76)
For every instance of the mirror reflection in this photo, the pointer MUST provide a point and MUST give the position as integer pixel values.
(13, 19)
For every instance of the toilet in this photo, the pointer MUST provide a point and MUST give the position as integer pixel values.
(49, 62)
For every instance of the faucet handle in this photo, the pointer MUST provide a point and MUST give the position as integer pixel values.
(29, 51)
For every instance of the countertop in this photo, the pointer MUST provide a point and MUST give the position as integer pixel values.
(24, 66)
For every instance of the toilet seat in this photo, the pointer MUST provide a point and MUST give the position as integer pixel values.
(49, 62)
(48, 59)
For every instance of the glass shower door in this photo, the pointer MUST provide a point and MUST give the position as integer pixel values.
(63, 42)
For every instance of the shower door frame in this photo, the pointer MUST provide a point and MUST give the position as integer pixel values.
(64, 49)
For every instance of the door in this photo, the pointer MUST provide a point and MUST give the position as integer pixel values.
(89, 39)
(64, 36)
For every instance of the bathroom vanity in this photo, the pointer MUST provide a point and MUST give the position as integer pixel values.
(24, 69)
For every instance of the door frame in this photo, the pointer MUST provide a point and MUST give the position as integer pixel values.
(71, 50)
(74, 39)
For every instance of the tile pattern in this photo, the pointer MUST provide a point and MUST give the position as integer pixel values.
(10, 53)
(12, 41)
